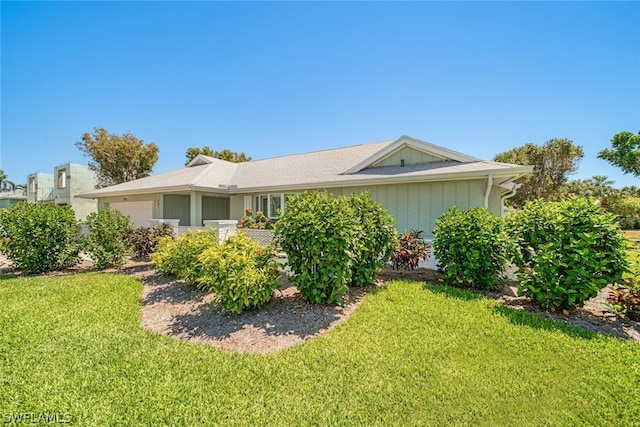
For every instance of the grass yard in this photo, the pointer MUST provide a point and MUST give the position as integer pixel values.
(412, 354)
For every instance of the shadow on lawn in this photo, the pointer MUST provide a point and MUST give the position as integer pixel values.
(521, 311)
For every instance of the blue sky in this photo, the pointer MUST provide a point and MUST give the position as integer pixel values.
(275, 78)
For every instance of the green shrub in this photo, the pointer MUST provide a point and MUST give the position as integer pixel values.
(567, 251)
(240, 272)
(410, 250)
(106, 242)
(180, 256)
(374, 235)
(144, 240)
(316, 233)
(472, 247)
(40, 238)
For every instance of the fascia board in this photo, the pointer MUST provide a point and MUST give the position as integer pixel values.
(507, 175)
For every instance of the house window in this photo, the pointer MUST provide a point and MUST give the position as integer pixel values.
(32, 185)
(62, 178)
(271, 205)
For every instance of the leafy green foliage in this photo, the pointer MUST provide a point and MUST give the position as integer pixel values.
(40, 237)
(240, 272)
(410, 250)
(472, 247)
(333, 242)
(567, 251)
(116, 158)
(374, 235)
(144, 240)
(624, 152)
(107, 240)
(316, 233)
(180, 256)
(226, 154)
(552, 162)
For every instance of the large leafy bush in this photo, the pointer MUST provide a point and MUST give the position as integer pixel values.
(374, 236)
(107, 242)
(472, 247)
(316, 233)
(333, 242)
(240, 272)
(567, 251)
(40, 238)
(180, 256)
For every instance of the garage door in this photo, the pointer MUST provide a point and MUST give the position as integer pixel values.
(139, 212)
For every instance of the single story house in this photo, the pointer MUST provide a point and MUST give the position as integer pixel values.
(10, 198)
(414, 180)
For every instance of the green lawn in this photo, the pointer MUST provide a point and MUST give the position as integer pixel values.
(410, 355)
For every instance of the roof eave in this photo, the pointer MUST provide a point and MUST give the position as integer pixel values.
(508, 175)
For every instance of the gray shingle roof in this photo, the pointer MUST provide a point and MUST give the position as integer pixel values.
(308, 170)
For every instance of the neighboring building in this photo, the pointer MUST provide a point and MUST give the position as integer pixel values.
(8, 199)
(62, 187)
(414, 180)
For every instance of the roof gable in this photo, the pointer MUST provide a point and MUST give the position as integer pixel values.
(413, 151)
(201, 159)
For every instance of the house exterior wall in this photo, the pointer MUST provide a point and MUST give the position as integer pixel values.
(236, 206)
(39, 187)
(417, 206)
(177, 206)
(7, 203)
(215, 208)
(70, 180)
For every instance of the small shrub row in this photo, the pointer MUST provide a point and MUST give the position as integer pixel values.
(240, 272)
(179, 256)
(333, 242)
(566, 252)
(40, 238)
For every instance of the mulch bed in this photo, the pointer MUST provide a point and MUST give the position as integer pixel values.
(173, 308)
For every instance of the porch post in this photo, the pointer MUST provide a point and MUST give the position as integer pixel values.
(195, 206)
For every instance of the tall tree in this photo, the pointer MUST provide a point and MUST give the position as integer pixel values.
(552, 162)
(624, 152)
(118, 158)
(226, 154)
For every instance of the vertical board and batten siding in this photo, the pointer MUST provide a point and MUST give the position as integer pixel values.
(410, 156)
(215, 208)
(177, 206)
(416, 206)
